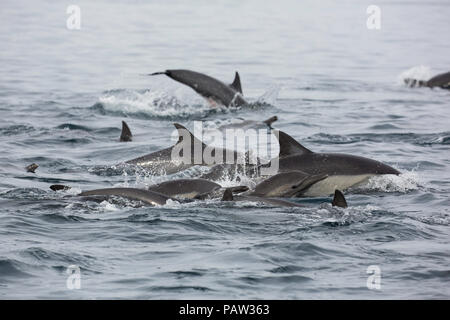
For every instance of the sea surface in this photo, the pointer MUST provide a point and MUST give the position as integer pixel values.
(335, 85)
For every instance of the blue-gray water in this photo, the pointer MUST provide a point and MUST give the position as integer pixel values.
(335, 86)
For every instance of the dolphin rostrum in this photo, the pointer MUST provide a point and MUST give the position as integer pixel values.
(208, 87)
(338, 200)
(441, 81)
(125, 135)
(342, 170)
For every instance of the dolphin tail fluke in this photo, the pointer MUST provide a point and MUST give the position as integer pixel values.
(270, 121)
(57, 187)
(228, 195)
(236, 85)
(126, 132)
(339, 199)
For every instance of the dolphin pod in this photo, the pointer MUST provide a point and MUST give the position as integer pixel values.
(440, 81)
(208, 87)
(301, 172)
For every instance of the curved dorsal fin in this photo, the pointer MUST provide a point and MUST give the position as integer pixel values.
(181, 133)
(339, 199)
(236, 85)
(126, 132)
(289, 145)
(227, 195)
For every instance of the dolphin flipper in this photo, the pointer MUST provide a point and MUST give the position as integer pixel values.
(339, 199)
(126, 133)
(308, 182)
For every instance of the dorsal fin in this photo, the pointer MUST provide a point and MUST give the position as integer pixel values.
(289, 145)
(236, 85)
(227, 195)
(270, 121)
(339, 199)
(126, 132)
(182, 131)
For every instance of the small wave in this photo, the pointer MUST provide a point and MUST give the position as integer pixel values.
(15, 130)
(149, 104)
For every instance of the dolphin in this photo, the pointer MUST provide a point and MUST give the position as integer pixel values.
(338, 200)
(146, 196)
(182, 190)
(161, 161)
(125, 135)
(186, 188)
(250, 124)
(287, 184)
(208, 87)
(342, 170)
(441, 81)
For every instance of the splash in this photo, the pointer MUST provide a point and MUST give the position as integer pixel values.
(150, 104)
(418, 73)
(403, 183)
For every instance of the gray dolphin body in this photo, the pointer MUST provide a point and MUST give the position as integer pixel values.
(441, 81)
(186, 188)
(162, 162)
(146, 196)
(250, 124)
(287, 184)
(342, 170)
(209, 87)
(338, 200)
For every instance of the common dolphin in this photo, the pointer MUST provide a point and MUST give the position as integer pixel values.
(441, 81)
(250, 124)
(146, 196)
(342, 170)
(161, 162)
(287, 184)
(338, 200)
(208, 87)
(186, 188)
(184, 191)
(125, 135)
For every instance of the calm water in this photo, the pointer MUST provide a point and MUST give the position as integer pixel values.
(335, 86)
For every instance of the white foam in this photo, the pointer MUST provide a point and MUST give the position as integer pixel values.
(153, 103)
(404, 182)
(417, 72)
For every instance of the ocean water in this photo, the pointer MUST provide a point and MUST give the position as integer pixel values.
(335, 85)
